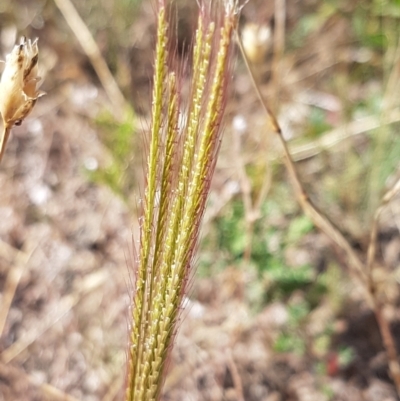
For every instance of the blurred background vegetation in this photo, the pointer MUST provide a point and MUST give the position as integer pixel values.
(333, 80)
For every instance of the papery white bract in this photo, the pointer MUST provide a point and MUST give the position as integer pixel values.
(18, 86)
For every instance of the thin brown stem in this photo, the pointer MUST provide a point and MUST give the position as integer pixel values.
(237, 381)
(279, 45)
(305, 202)
(251, 207)
(4, 138)
(389, 195)
(245, 186)
(14, 275)
(362, 271)
(383, 323)
(389, 344)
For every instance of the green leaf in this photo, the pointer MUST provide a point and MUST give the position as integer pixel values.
(299, 227)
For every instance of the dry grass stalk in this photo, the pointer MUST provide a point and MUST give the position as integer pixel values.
(337, 135)
(48, 392)
(181, 161)
(362, 271)
(252, 207)
(14, 274)
(90, 47)
(278, 45)
(237, 381)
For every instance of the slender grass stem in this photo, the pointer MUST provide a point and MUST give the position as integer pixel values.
(4, 138)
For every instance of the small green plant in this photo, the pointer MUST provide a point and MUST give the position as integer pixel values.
(121, 140)
(278, 280)
(290, 339)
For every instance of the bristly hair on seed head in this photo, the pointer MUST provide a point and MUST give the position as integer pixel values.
(182, 154)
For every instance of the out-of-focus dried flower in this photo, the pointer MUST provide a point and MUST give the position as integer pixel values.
(256, 41)
(18, 92)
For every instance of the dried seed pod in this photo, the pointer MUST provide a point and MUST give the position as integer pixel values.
(18, 86)
(256, 41)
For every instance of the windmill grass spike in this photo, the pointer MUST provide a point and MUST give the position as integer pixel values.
(182, 156)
